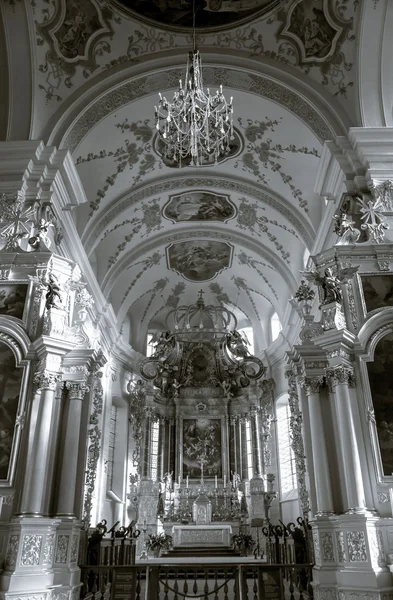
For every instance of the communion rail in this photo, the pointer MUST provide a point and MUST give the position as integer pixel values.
(218, 581)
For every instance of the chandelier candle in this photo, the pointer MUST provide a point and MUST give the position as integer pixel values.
(195, 127)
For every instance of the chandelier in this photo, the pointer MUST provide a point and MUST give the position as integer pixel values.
(195, 127)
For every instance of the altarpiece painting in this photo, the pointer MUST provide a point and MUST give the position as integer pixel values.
(377, 291)
(202, 443)
(13, 299)
(380, 373)
(10, 385)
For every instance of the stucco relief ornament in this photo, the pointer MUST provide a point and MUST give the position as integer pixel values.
(373, 219)
(327, 547)
(295, 424)
(344, 228)
(31, 550)
(356, 546)
(12, 551)
(16, 221)
(62, 548)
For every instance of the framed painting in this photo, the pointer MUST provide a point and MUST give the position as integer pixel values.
(13, 297)
(202, 444)
(11, 377)
(376, 290)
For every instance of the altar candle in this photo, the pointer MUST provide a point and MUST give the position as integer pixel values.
(179, 480)
(187, 482)
(225, 481)
(216, 481)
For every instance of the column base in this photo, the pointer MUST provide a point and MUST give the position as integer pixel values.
(41, 557)
(350, 556)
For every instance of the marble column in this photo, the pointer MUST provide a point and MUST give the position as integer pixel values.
(256, 443)
(232, 445)
(225, 445)
(341, 378)
(171, 446)
(36, 489)
(243, 431)
(324, 497)
(146, 446)
(161, 446)
(69, 465)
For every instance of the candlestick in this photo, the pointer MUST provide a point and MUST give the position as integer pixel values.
(215, 480)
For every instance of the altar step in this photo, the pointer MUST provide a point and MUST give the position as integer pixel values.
(202, 551)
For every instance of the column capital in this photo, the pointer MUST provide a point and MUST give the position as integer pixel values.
(341, 375)
(311, 385)
(46, 380)
(77, 389)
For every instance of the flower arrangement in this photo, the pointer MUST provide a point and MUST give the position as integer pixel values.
(158, 542)
(243, 542)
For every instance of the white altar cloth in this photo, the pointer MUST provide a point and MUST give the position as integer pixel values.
(201, 535)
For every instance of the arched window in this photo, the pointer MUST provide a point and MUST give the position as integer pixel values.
(286, 457)
(149, 345)
(275, 325)
(248, 333)
(155, 432)
(306, 256)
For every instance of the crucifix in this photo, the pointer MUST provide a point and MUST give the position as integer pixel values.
(201, 292)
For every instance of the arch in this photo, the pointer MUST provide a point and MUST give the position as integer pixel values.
(375, 68)
(207, 233)
(282, 84)
(12, 334)
(19, 54)
(373, 330)
(92, 235)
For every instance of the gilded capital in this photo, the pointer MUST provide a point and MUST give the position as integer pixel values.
(311, 385)
(341, 375)
(46, 380)
(76, 389)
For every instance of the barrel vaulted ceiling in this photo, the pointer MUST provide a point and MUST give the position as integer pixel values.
(156, 234)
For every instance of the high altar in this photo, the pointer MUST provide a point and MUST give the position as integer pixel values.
(202, 414)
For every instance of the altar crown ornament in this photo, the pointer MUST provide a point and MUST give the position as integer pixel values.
(195, 126)
(201, 317)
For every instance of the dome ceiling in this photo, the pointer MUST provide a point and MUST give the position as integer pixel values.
(217, 14)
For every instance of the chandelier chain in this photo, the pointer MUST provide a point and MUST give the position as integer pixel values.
(196, 128)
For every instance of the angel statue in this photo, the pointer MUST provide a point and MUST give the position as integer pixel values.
(330, 283)
(226, 388)
(52, 296)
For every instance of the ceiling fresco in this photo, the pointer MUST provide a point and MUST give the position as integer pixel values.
(199, 205)
(208, 13)
(199, 260)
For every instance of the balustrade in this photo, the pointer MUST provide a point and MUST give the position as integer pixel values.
(223, 581)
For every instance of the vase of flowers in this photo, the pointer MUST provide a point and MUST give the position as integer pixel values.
(243, 542)
(157, 542)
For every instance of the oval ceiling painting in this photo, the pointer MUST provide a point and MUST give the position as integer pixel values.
(209, 14)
